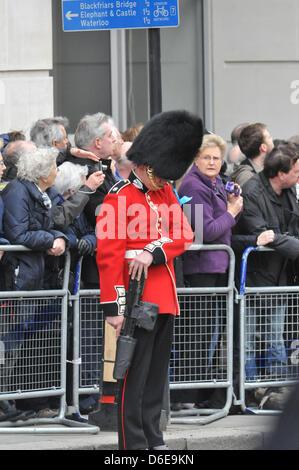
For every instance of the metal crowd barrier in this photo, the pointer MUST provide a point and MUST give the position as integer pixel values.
(33, 340)
(34, 345)
(187, 368)
(197, 362)
(88, 335)
(269, 337)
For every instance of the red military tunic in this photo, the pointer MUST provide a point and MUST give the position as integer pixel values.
(133, 219)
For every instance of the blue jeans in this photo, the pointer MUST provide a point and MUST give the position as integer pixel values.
(210, 325)
(271, 322)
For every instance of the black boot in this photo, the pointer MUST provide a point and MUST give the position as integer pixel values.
(8, 412)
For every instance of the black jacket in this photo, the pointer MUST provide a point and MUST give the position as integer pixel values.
(264, 210)
(26, 221)
(96, 199)
(90, 273)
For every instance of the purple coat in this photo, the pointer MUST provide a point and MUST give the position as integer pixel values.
(217, 222)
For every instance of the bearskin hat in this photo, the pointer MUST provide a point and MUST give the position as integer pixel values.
(168, 143)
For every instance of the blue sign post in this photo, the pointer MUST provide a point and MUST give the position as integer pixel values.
(127, 14)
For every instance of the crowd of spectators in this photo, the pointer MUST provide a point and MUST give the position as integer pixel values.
(51, 192)
(249, 202)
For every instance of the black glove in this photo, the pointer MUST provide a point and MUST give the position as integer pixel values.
(85, 247)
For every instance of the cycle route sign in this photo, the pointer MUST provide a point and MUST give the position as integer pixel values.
(127, 14)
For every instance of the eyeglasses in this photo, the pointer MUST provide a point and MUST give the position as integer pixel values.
(209, 159)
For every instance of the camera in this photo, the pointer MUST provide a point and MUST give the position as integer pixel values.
(232, 188)
(100, 167)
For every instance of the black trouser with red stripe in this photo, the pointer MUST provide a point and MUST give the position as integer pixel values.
(141, 392)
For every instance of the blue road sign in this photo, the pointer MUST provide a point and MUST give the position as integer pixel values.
(93, 15)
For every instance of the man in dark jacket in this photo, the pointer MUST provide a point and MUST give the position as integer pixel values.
(255, 142)
(270, 204)
(94, 133)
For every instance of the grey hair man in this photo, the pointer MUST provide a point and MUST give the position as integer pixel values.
(12, 154)
(94, 133)
(50, 132)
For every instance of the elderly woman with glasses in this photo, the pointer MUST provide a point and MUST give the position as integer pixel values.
(213, 212)
(219, 212)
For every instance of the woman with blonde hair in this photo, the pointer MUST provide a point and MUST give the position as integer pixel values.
(220, 210)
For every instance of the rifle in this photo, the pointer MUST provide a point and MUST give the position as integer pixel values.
(137, 314)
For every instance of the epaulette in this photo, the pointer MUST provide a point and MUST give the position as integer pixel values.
(118, 186)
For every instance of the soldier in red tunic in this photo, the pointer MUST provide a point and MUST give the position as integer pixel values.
(141, 228)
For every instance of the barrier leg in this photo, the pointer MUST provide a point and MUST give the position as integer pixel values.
(106, 415)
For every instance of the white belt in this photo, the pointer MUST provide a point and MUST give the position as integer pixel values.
(130, 254)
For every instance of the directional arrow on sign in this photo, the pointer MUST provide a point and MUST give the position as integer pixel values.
(71, 15)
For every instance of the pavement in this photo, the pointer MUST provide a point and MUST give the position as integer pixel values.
(233, 432)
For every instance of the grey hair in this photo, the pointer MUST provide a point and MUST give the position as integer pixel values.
(69, 177)
(36, 164)
(44, 131)
(91, 127)
(14, 150)
(12, 154)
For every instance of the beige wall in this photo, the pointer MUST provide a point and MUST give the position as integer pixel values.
(26, 89)
(254, 47)
(255, 64)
